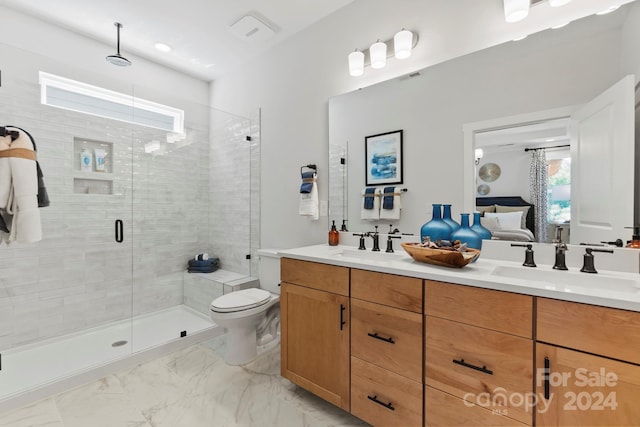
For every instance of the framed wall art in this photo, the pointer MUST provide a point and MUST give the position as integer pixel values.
(383, 158)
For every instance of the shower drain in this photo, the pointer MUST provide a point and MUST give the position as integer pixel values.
(119, 343)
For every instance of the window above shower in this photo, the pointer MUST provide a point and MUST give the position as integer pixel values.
(73, 95)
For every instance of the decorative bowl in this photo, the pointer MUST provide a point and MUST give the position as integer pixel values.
(442, 257)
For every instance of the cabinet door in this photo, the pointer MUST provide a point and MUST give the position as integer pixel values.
(579, 389)
(315, 342)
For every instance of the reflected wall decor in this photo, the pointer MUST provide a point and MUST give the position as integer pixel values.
(383, 157)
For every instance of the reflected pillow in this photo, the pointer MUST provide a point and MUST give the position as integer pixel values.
(491, 224)
(507, 220)
(523, 209)
(485, 209)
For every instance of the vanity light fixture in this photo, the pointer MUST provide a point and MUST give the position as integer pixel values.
(516, 10)
(356, 63)
(376, 55)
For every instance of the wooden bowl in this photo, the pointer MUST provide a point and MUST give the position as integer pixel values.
(441, 257)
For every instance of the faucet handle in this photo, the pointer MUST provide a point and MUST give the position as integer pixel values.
(588, 265)
(528, 254)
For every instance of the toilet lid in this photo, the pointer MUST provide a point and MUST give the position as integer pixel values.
(240, 300)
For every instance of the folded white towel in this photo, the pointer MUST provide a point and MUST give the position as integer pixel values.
(371, 214)
(397, 205)
(309, 202)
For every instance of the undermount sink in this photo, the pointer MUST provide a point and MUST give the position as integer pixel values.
(569, 279)
(370, 255)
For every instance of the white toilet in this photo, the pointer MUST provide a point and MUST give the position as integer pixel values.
(242, 312)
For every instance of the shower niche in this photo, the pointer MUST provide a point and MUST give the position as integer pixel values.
(92, 166)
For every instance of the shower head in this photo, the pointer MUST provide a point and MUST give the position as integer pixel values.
(118, 59)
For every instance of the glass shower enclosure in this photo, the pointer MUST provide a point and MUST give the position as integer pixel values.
(108, 280)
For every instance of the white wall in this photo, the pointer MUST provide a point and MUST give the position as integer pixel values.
(293, 82)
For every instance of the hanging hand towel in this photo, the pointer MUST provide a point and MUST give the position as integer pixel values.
(391, 204)
(309, 201)
(307, 182)
(370, 204)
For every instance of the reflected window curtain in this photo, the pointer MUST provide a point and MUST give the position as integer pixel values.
(538, 192)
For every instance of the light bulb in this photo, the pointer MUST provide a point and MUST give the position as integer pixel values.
(356, 63)
(515, 10)
(403, 43)
(378, 54)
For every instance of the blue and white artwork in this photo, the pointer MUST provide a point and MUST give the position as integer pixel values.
(384, 158)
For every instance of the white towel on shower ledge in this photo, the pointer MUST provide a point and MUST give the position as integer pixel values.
(309, 202)
(371, 214)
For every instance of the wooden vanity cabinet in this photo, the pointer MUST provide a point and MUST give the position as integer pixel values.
(315, 328)
(386, 349)
(478, 356)
(587, 369)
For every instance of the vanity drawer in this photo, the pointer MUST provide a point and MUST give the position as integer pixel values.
(315, 275)
(501, 311)
(388, 337)
(383, 398)
(479, 365)
(605, 331)
(396, 291)
(444, 410)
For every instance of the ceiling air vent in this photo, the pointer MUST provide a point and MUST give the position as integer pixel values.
(252, 29)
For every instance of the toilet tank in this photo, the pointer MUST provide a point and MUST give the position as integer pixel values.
(269, 273)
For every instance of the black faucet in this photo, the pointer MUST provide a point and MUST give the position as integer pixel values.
(376, 239)
(390, 242)
(361, 247)
(561, 248)
(588, 266)
(528, 254)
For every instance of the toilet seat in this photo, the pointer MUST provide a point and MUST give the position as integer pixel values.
(240, 300)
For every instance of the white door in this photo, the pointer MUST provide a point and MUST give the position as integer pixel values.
(602, 166)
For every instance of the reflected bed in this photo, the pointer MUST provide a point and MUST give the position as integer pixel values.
(497, 210)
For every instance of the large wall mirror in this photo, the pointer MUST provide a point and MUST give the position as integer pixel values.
(503, 99)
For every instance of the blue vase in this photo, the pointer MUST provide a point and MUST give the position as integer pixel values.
(465, 234)
(436, 229)
(446, 217)
(477, 226)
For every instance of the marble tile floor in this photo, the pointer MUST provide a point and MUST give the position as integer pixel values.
(192, 387)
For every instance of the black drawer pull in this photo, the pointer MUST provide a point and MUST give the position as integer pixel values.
(386, 405)
(468, 365)
(547, 373)
(378, 337)
(342, 321)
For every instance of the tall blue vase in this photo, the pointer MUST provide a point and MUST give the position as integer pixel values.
(477, 226)
(446, 217)
(466, 235)
(436, 229)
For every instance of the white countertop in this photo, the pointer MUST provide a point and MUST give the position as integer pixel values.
(587, 288)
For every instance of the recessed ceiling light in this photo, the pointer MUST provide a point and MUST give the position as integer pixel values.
(549, 140)
(611, 9)
(163, 47)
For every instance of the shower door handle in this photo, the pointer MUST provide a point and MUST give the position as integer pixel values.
(119, 235)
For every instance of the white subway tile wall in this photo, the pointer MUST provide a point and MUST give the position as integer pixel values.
(172, 202)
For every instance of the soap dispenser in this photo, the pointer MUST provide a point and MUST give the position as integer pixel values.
(635, 240)
(334, 235)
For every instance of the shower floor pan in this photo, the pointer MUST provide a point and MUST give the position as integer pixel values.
(38, 370)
